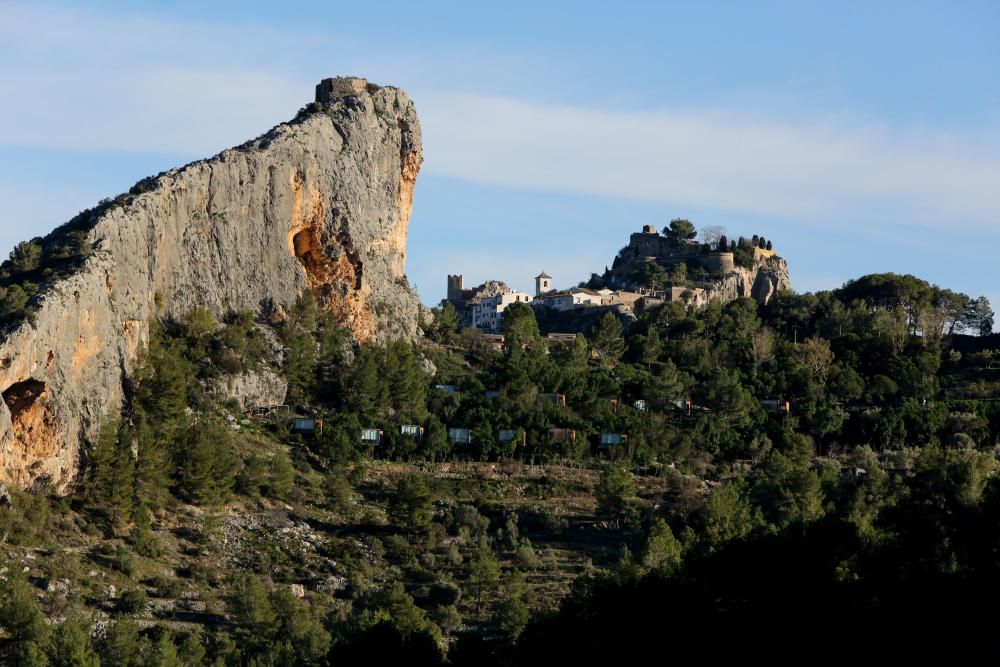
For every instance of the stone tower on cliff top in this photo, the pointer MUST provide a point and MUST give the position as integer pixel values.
(321, 203)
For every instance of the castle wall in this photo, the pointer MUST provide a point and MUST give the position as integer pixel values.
(646, 245)
(718, 262)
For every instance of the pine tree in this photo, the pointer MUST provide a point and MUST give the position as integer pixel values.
(281, 476)
(445, 322)
(652, 346)
(70, 645)
(407, 618)
(406, 381)
(411, 507)
(301, 362)
(111, 487)
(614, 490)
(191, 650)
(513, 611)
(606, 340)
(161, 650)
(152, 466)
(303, 639)
(206, 466)
(662, 551)
(520, 326)
(978, 316)
(484, 572)
(364, 397)
(162, 387)
(23, 622)
(252, 614)
(680, 230)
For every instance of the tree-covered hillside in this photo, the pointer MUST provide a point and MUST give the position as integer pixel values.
(821, 463)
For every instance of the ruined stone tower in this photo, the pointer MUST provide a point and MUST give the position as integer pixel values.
(456, 285)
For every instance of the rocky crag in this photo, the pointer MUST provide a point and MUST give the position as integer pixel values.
(762, 281)
(762, 275)
(320, 203)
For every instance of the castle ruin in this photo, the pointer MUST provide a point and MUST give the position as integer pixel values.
(329, 90)
(649, 245)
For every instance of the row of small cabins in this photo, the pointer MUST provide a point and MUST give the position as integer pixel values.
(372, 437)
(604, 440)
(463, 436)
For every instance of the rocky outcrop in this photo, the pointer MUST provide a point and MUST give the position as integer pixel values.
(321, 203)
(761, 282)
(721, 277)
(253, 389)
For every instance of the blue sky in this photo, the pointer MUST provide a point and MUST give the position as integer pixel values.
(860, 136)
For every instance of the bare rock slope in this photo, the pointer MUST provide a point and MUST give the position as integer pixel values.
(321, 203)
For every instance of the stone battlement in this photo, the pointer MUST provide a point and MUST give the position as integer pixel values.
(329, 90)
(718, 262)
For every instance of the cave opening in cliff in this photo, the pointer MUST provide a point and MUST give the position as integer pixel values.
(322, 271)
(22, 396)
(307, 246)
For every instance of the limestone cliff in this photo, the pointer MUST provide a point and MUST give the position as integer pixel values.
(767, 277)
(320, 203)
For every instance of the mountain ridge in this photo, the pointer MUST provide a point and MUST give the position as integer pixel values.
(320, 203)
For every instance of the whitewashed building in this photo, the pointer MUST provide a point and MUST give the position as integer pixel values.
(487, 311)
(577, 297)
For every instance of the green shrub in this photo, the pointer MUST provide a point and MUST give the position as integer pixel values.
(131, 602)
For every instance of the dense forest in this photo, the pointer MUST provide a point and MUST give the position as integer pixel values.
(816, 475)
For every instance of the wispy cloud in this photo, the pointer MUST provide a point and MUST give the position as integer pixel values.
(85, 81)
(193, 88)
(719, 159)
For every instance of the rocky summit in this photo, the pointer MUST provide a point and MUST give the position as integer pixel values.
(319, 203)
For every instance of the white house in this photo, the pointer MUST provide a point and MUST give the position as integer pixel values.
(577, 297)
(487, 311)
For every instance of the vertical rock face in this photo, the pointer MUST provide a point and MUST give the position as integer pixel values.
(766, 278)
(321, 203)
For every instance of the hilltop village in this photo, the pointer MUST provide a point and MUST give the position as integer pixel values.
(653, 269)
